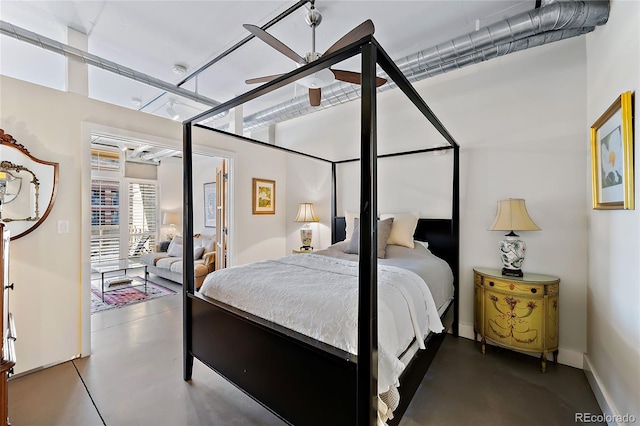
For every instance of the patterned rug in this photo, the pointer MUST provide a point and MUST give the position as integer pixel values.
(116, 297)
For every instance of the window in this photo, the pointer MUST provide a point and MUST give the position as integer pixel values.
(124, 219)
(105, 220)
(143, 220)
(102, 159)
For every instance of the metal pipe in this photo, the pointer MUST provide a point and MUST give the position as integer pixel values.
(552, 22)
(89, 59)
(242, 42)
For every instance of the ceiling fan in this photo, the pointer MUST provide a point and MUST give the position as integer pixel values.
(324, 77)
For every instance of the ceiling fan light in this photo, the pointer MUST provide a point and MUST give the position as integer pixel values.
(318, 79)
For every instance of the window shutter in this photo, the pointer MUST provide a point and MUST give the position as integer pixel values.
(143, 220)
(105, 220)
(102, 159)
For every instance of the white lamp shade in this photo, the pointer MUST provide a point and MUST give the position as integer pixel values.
(306, 213)
(171, 218)
(512, 215)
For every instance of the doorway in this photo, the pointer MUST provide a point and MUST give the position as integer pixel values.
(132, 186)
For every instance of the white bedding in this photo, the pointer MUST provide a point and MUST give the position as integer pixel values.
(317, 296)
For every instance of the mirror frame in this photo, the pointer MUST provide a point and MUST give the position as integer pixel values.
(8, 141)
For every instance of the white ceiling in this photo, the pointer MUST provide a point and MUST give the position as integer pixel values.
(152, 36)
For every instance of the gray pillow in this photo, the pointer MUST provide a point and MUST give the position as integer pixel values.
(164, 245)
(384, 229)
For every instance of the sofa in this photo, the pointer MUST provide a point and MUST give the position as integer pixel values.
(167, 261)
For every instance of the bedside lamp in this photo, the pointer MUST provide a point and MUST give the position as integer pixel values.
(512, 216)
(306, 214)
(170, 218)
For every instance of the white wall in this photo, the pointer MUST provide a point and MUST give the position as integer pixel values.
(308, 181)
(255, 237)
(46, 267)
(519, 121)
(613, 330)
(170, 188)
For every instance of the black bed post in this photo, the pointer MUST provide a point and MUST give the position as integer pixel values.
(367, 371)
(334, 206)
(187, 227)
(455, 235)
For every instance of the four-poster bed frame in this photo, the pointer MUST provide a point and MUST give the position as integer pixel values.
(284, 370)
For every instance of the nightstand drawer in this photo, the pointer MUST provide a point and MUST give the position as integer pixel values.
(513, 287)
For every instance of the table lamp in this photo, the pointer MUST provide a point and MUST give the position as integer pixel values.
(170, 218)
(512, 216)
(306, 214)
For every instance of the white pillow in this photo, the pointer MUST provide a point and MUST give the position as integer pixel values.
(175, 240)
(424, 244)
(349, 218)
(175, 250)
(403, 228)
(198, 252)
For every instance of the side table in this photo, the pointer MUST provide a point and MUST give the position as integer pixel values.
(517, 313)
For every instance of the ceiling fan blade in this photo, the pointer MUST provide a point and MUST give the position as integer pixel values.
(362, 30)
(274, 42)
(263, 79)
(315, 96)
(354, 77)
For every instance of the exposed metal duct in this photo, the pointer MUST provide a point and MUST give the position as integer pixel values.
(89, 59)
(553, 22)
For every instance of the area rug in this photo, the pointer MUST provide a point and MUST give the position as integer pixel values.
(127, 295)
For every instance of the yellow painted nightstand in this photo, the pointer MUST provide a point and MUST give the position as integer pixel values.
(517, 313)
(301, 251)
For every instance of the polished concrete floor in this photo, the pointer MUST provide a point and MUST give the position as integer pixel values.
(134, 377)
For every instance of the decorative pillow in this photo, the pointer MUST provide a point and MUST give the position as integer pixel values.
(208, 244)
(404, 226)
(384, 229)
(424, 244)
(164, 245)
(175, 240)
(349, 218)
(175, 250)
(198, 252)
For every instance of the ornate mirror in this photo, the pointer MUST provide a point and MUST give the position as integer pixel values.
(27, 187)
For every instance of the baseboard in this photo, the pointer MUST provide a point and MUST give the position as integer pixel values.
(602, 396)
(565, 356)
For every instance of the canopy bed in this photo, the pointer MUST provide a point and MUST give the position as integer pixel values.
(302, 379)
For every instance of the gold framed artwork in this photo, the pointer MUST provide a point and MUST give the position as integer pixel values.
(264, 196)
(612, 156)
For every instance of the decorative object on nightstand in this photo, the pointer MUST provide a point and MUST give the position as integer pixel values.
(170, 218)
(517, 313)
(512, 216)
(306, 215)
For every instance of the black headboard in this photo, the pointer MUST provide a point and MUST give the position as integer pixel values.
(437, 232)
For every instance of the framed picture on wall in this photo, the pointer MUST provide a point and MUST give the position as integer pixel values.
(264, 196)
(612, 156)
(210, 205)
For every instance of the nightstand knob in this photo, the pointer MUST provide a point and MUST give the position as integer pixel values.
(534, 290)
(491, 283)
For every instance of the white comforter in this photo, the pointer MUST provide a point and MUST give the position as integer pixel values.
(317, 296)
